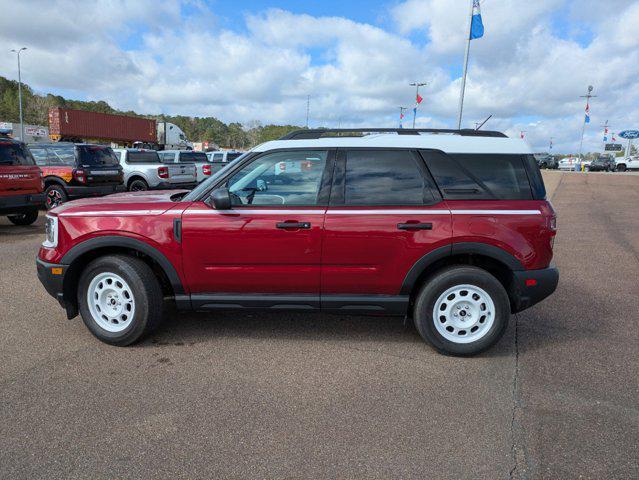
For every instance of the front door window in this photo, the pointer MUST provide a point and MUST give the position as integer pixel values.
(289, 178)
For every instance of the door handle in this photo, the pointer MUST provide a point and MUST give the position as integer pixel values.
(293, 225)
(414, 226)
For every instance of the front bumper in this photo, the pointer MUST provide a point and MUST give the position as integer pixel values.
(94, 190)
(529, 287)
(51, 276)
(17, 203)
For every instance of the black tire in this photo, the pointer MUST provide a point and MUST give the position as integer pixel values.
(621, 167)
(26, 218)
(445, 279)
(145, 290)
(138, 185)
(54, 195)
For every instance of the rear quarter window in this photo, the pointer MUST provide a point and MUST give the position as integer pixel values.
(463, 176)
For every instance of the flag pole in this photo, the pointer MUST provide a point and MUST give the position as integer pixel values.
(587, 96)
(463, 82)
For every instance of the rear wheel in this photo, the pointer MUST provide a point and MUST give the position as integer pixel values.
(462, 310)
(26, 218)
(138, 185)
(120, 299)
(621, 167)
(54, 196)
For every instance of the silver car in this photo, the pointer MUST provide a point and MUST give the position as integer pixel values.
(143, 170)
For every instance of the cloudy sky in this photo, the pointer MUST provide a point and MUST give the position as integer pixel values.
(259, 59)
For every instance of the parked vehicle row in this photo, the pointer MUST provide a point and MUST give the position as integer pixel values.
(144, 170)
(452, 231)
(49, 174)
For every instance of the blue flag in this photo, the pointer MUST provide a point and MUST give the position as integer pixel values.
(476, 25)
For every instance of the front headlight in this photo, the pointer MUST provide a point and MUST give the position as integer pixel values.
(50, 232)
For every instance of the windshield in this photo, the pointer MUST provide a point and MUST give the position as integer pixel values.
(193, 157)
(206, 184)
(97, 155)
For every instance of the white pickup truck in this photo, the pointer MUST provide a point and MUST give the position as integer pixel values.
(143, 170)
(628, 163)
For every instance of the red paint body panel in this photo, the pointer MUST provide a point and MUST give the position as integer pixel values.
(242, 250)
(20, 180)
(527, 237)
(67, 122)
(145, 216)
(237, 252)
(368, 254)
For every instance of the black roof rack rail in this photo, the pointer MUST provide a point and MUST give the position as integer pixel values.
(309, 134)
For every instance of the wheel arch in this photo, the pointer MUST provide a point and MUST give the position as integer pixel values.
(83, 253)
(52, 179)
(136, 176)
(495, 260)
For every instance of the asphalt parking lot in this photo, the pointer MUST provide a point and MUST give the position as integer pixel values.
(314, 396)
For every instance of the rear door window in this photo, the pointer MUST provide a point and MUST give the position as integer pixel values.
(62, 155)
(14, 154)
(385, 177)
(462, 176)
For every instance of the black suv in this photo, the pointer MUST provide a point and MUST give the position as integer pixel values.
(546, 161)
(77, 170)
(602, 164)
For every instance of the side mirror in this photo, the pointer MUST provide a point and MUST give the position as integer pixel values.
(220, 199)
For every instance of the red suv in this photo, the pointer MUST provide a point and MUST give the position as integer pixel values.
(21, 183)
(448, 227)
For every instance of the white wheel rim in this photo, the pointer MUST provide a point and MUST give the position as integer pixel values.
(111, 302)
(464, 314)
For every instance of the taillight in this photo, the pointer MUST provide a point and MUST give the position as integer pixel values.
(163, 172)
(206, 169)
(79, 176)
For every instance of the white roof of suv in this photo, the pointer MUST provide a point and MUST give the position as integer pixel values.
(446, 142)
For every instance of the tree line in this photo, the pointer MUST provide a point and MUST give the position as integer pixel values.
(197, 129)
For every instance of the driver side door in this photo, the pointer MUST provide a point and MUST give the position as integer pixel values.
(265, 250)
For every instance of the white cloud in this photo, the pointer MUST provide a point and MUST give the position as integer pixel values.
(525, 71)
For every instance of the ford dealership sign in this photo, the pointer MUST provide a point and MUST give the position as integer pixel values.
(629, 134)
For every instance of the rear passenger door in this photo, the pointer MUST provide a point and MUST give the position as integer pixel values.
(384, 215)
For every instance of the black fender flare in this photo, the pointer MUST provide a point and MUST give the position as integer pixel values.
(130, 243)
(52, 179)
(440, 253)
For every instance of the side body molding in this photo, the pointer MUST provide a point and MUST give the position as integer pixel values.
(440, 253)
(132, 243)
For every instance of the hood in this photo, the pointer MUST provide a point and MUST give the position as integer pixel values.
(120, 204)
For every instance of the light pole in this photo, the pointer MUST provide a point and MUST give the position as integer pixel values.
(417, 102)
(20, 92)
(308, 108)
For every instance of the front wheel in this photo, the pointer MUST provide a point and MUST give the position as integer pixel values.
(26, 218)
(621, 167)
(120, 299)
(462, 310)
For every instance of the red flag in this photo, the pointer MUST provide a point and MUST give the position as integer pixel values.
(419, 99)
(521, 135)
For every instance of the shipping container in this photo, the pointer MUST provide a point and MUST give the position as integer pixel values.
(68, 124)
